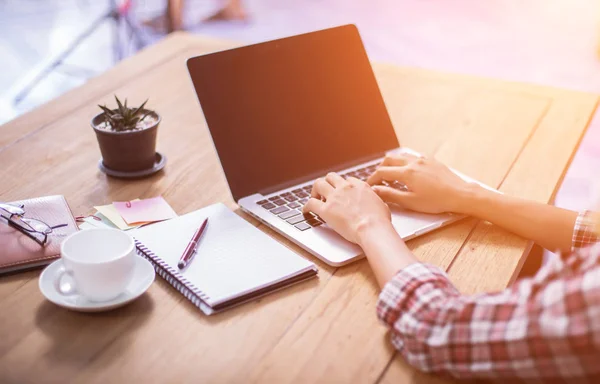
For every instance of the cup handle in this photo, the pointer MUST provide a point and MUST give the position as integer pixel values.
(58, 282)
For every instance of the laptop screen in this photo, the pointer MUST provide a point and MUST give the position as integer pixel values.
(287, 110)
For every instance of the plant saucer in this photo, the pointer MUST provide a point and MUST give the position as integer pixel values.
(159, 163)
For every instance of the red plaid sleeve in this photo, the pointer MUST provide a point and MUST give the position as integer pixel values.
(585, 232)
(545, 328)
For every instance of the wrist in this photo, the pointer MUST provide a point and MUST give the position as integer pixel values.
(473, 199)
(370, 228)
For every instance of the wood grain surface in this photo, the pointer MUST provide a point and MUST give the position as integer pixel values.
(516, 137)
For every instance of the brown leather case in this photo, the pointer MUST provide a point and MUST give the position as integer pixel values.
(18, 251)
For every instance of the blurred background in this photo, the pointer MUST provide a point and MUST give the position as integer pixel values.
(550, 42)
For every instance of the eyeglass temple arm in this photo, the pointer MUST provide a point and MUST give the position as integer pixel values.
(29, 234)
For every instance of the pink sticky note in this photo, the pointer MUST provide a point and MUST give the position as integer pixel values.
(147, 210)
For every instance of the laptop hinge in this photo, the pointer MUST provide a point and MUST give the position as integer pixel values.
(320, 173)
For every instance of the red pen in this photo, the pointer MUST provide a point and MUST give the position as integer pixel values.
(190, 250)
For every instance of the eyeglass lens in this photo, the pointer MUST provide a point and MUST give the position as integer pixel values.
(12, 209)
(32, 225)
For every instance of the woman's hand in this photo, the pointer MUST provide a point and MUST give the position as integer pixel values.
(432, 187)
(348, 206)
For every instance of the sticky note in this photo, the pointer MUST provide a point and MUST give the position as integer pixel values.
(144, 211)
(86, 225)
(104, 221)
(110, 212)
(97, 221)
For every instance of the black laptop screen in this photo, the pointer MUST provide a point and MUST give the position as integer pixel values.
(288, 109)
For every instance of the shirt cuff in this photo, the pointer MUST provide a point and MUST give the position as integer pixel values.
(398, 295)
(586, 230)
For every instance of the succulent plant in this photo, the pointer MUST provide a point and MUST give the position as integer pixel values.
(123, 118)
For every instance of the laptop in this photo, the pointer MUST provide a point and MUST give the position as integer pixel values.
(285, 112)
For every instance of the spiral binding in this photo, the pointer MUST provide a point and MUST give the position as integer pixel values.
(164, 270)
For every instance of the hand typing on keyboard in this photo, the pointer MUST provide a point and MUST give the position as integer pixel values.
(349, 206)
(429, 186)
(288, 205)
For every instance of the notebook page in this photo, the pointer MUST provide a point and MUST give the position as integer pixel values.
(233, 258)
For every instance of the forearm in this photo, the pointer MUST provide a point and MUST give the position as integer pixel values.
(385, 250)
(436, 329)
(549, 226)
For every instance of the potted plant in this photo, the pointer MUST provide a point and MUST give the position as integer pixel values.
(127, 137)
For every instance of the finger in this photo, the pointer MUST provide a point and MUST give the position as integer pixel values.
(400, 174)
(335, 179)
(354, 181)
(399, 159)
(321, 188)
(391, 195)
(313, 205)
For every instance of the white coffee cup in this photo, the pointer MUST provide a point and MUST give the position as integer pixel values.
(100, 261)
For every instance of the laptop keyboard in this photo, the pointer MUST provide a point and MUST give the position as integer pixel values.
(288, 206)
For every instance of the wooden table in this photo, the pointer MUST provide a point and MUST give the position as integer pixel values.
(517, 137)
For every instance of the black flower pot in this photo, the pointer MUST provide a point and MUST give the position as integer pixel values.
(127, 151)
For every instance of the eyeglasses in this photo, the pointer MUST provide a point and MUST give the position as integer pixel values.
(35, 229)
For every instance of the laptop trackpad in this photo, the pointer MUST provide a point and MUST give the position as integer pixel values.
(409, 223)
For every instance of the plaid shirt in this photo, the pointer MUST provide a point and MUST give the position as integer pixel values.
(546, 328)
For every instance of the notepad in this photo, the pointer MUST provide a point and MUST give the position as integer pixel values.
(235, 261)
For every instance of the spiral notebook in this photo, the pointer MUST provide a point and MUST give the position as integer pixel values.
(235, 261)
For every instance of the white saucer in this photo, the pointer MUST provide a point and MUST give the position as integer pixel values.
(142, 279)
